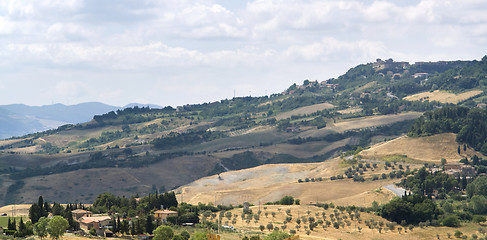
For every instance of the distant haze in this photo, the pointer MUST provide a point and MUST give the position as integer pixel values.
(19, 119)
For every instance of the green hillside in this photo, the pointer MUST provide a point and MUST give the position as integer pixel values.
(140, 150)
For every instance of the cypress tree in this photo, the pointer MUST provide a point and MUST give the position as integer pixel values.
(118, 224)
(114, 227)
(12, 225)
(40, 201)
(124, 227)
(149, 227)
(35, 213)
(139, 229)
(47, 209)
(132, 230)
(21, 225)
(68, 215)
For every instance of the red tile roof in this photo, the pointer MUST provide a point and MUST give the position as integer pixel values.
(165, 212)
(95, 219)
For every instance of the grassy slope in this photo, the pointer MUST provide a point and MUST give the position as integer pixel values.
(429, 149)
(85, 185)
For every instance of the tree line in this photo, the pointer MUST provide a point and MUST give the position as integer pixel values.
(470, 125)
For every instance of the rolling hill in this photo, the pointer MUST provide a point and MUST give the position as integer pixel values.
(284, 137)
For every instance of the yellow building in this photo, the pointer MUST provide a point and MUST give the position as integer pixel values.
(163, 214)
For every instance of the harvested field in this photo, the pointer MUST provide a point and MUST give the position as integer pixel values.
(361, 123)
(305, 110)
(443, 97)
(428, 149)
(271, 182)
(19, 210)
(350, 110)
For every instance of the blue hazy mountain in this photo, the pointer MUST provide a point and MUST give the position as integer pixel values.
(20, 119)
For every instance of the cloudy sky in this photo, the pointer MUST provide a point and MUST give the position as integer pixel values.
(174, 52)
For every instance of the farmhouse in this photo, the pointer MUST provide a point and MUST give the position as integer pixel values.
(163, 214)
(99, 222)
(459, 170)
(79, 213)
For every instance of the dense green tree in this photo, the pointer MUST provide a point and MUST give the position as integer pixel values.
(478, 218)
(477, 187)
(478, 204)
(185, 234)
(396, 210)
(57, 226)
(412, 209)
(35, 212)
(124, 227)
(163, 233)
(40, 227)
(451, 221)
(286, 200)
(277, 235)
(57, 209)
(178, 237)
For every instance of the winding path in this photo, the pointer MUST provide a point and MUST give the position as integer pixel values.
(396, 190)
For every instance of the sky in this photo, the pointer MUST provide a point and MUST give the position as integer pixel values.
(176, 52)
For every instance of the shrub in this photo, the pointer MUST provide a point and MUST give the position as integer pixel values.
(458, 234)
(478, 218)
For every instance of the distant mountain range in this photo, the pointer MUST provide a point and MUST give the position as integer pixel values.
(20, 119)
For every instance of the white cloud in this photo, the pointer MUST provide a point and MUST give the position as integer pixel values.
(179, 41)
(70, 89)
(68, 32)
(6, 27)
(332, 49)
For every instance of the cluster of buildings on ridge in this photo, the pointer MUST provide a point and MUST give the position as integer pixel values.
(389, 68)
